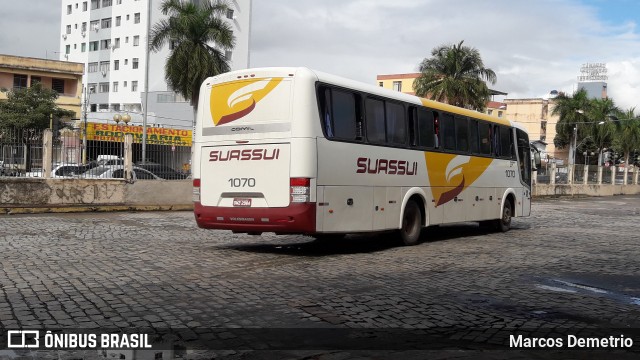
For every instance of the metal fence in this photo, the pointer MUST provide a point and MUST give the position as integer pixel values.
(21, 155)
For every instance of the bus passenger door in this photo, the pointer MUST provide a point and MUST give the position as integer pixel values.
(524, 167)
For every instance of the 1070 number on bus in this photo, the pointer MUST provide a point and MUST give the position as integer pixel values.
(242, 182)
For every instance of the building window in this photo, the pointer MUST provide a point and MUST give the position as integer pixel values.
(58, 85)
(116, 65)
(126, 61)
(116, 44)
(118, 2)
(76, 27)
(127, 17)
(83, 47)
(115, 86)
(36, 80)
(397, 85)
(126, 39)
(490, 112)
(136, 18)
(104, 107)
(134, 86)
(125, 84)
(106, 23)
(95, 25)
(230, 14)
(93, 46)
(84, 6)
(136, 40)
(75, 46)
(380, 83)
(106, 3)
(104, 66)
(19, 81)
(134, 63)
(499, 114)
(103, 87)
(95, 4)
(93, 67)
(68, 9)
(118, 20)
(105, 44)
(67, 49)
(68, 29)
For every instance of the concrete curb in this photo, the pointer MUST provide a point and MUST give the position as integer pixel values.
(101, 208)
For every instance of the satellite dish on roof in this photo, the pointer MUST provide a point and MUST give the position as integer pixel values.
(553, 93)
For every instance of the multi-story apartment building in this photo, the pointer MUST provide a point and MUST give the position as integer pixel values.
(110, 37)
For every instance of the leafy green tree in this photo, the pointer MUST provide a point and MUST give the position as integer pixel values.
(598, 127)
(628, 134)
(573, 117)
(199, 37)
(455, 74)
(31, 108)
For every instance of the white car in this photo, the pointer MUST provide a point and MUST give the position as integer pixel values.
(117, 172)
(59, 171)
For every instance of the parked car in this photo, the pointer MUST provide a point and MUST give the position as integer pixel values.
(59, 171)
(117, 172)
(162, 171)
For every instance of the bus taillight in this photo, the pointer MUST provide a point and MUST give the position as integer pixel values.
(196, 190)
(300, 190)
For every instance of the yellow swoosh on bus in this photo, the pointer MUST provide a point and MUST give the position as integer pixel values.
(450, 174)
(234, 100)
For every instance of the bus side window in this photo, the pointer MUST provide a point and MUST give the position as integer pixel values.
(506, 143)
(447, 126)
(495, 139)
(344, 114)
(396, 123)
(374, 120)
(462, 134)
(413, 126)
(326, 113)
(484, 130)
(436, 129)
(473, 137)
(426, 128)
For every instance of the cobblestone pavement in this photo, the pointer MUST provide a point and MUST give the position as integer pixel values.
(573, 265)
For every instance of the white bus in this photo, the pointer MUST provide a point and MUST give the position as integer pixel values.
(292, 150)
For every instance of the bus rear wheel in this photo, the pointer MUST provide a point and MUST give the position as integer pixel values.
(411, 224)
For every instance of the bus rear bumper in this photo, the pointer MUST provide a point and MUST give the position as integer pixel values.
(295, 218)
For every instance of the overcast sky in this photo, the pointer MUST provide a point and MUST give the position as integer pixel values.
(533, 46)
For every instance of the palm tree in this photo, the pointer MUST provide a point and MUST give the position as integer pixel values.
(455, 74)
(598, 128)
(628, 134)
(572, 111)
(199, 37)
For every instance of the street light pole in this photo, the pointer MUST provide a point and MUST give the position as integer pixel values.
(87, 96)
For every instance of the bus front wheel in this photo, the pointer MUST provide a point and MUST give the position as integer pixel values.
(411, 224)
(504, 223)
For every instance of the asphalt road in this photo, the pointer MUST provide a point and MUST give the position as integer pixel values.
(573, 267)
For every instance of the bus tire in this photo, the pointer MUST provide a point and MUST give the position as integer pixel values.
(411, 224)
(504, 223)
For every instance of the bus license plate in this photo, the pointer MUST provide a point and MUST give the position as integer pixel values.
(242, 202)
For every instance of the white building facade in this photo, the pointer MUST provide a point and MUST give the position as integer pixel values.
(110, 37)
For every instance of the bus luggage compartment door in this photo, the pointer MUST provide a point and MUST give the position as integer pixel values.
(245, 175)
